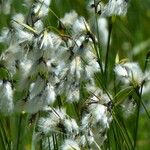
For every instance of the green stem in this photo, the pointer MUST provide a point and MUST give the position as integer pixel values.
(145, 109)
(139, 102)
(49, 144)
(124, 133)
(19, 132)
(146, 61)
(98, 51)
(116, 136)
(33, 131)
(41, 147)
(108, 141)
(2, 140)
(4, 133)
(108, 49)
(137, 124)
(99, 59)
(139, 94)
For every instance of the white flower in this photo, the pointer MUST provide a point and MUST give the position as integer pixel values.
(38, 26)
(25, 66)
(71, 126)
(80, 26)
(72, 89)
(69, 18)
(46, 2)
(99, 114)
(4, 37)
(49, 94)
(36, 87)
(47, 125)
(42, 8)
(86, 120)
(6, 98)
(10, 56)
(35, 104)
(92, 68)
(70, 144)
(121, 71)
(97, 111)
(23, 36)
(63, 54)
(80, 40)
(129, 73)
(58, 70)
(73, 94)
(98, 95)
(50, 123)
(49, 40)
(103, 30)
(46, 40)
(75, 67)
(82, 49)
(115, 7)
(128, 107)
(86, 138)
(20, 18)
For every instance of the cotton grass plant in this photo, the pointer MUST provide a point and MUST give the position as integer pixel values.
(56, 91)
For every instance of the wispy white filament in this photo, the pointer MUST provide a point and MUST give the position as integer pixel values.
(129, 73)
(115, 7)
(6, 98)
(70, 145)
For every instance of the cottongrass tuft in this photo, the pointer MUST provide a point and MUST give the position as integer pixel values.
(55, 81)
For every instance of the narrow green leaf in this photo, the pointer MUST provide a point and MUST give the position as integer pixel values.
(26, 26)
(121, 95)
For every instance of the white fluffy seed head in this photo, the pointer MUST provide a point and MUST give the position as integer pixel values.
(6, 100)
(73, 95)
(42, 8)
(34, 105)
(49, 94)
(103, 31)
(91, 68)
(24, 36)
(86, 138)
(4, 35)
(36, 87)
(70, 144)
(80, 26)
(69, 18)
(129, 73)
(38, 26)
(25, 66)
(75, 67)
(115, 7)
(47, 2)
(49, 41)
(71, 126)
(19, 18)
(99, 114)
(50, 123)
